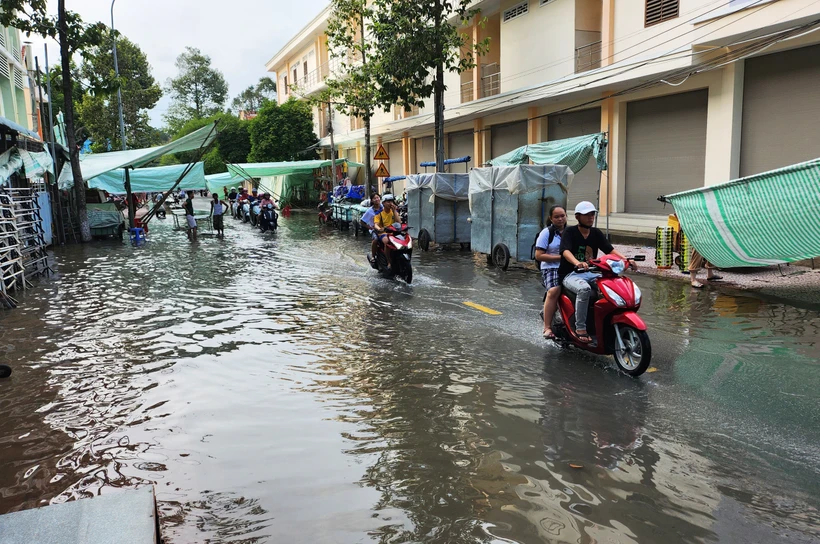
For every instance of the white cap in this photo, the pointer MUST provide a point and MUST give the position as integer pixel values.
(585, 207)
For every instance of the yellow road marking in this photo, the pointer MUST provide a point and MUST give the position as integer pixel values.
(482, 308)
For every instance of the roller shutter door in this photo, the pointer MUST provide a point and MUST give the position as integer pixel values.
(781, 109)
(424, 153)
(570, 125)
(665, 149)
(396, 162)
(505, 138)
(460, 145)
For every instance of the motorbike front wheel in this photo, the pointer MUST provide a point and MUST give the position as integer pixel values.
(634, 359)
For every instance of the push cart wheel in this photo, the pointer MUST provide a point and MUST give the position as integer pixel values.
(501, 256)
(160, 214)
(424, 240)
(5, 371)
(464, 246)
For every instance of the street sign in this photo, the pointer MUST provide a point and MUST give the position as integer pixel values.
(381, 154)
(382, 172)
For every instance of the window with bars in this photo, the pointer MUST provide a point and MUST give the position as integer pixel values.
(5, 69)
(18, 79)
(544, 2)
(658, 11)
(516, 11)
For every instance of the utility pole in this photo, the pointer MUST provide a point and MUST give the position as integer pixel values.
(367, 168)
(438, 91)
(129, 198)
(332, 144)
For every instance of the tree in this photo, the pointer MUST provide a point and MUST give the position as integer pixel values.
(199, 91)
(232, 145)
(140, 93)
(73, 35)
(252, 98)
(416, 39)
(355, 91)
(283, 133)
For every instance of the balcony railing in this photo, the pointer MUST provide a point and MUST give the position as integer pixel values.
(467, 92)
(314, 78)
(588, 57)
(490, 79)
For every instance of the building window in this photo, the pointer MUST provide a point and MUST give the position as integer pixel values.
(295, 76)
(544, 2)
(285, 84)
(658, 11)
(516, 11)
(305, 68)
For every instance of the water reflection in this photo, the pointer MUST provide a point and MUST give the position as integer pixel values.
(273, 388)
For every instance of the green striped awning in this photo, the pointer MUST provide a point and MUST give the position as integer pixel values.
(761, 220)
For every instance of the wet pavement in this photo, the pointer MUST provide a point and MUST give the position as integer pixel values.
(275, 389)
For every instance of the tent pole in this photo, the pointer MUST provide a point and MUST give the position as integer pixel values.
(132, 210)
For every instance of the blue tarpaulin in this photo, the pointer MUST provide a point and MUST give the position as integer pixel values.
(151, 180)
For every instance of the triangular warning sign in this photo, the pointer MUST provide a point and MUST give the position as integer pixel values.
(381, 154)
(382, 172)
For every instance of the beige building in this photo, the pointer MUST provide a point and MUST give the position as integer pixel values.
(691, 93)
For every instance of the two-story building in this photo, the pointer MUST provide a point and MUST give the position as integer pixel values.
(691, 93)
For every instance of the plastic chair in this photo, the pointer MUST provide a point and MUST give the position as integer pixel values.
(137, 235)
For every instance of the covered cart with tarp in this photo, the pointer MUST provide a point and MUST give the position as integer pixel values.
(152, 180)
(510, 205)
(292, 183)
(726, 223)
(438, 208)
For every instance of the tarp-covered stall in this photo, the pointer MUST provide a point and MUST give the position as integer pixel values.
(510, 206)
(438, 208)
(726, 223)
(151, 180)
(291, 182)
(572, 152)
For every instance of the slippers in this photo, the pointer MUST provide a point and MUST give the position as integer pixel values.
(697, 285)
(549, 335)
(583, 337)
(715, 278)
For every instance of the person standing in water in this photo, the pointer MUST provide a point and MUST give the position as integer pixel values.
(218, 208)
(189, 216)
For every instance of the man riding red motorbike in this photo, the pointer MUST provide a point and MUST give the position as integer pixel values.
(617, 328)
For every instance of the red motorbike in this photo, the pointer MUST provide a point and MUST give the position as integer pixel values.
(612, 322)
(402, 250)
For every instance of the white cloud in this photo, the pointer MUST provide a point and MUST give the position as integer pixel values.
(239, 36)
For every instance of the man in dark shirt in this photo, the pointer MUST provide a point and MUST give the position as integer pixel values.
(579, 244)
(189, 216)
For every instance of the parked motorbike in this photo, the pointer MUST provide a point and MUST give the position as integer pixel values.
(325, 213)
(613, 323)
(256, 209)
(403, 211)
(244, 212)
(402, 246)
(268, 219)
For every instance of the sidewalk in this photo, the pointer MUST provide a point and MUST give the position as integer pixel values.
(796, 283)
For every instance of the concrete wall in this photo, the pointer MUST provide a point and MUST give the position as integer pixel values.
(529, 53)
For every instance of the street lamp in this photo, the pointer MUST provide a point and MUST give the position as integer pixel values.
(117, 72)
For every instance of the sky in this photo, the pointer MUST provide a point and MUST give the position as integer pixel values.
(240, 36)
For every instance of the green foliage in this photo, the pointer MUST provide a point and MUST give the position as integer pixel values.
(199, 91)
(355, 90)
(97, 109)
(282, 133)
(233, 143)
(252, 98)
(414, 40)
(31, 17)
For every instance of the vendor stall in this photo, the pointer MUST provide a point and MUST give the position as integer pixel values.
(510, 206)
(438, 209)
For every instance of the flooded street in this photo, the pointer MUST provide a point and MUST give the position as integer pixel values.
(275, 389)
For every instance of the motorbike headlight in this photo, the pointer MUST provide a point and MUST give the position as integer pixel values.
(617, 267)
(614, 297)
(637, 294)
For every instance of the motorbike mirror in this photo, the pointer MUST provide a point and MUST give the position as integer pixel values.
(639, 258)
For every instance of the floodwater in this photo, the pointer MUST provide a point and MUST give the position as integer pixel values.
(274, 389)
